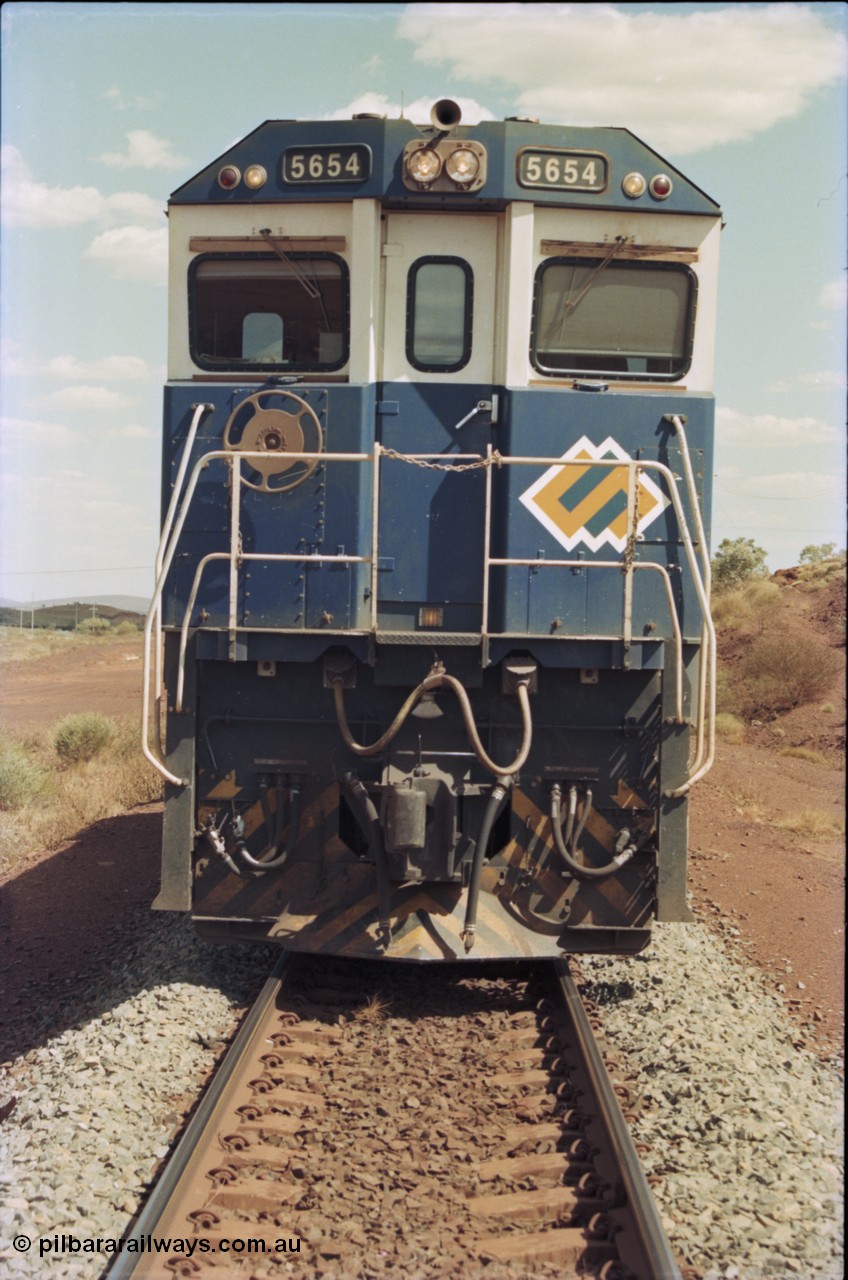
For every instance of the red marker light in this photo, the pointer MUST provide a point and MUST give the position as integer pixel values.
(229, 177)
(660, 187)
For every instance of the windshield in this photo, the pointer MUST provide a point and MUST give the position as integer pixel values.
(629, 319)
(259, 312)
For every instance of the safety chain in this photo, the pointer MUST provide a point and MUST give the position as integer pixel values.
(494, 459)
(632, 535)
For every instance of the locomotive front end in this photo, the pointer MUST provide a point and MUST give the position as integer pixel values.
(430, 663)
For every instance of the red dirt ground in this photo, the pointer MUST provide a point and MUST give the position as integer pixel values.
(774, 896)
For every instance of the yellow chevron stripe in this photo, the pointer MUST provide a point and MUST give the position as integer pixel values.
(611, 481)
(226, 789)
(339, 923)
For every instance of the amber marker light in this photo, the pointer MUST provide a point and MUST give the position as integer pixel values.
(633, 185)
(255, 177)
(430, 615)
(229, 177)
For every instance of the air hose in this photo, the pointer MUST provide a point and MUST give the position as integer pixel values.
(365, 812)
(275, 861)
(578, 869)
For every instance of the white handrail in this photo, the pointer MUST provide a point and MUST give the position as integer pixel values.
(176, 522)
(708, 658)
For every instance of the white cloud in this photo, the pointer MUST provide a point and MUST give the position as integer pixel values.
(794, 486)
(820, 379)
(834, 295)
(17, 433)
(32, 204)
(134, 431)
(765, 430)
(138, 102)
(16, 362)
(144, 151)
(108, 368)
(825, 379)
(132, 253)
(87, 397)
(418, 111)
(685, 82)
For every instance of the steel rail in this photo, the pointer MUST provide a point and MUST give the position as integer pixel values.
(657, 1259)
(158, 1200)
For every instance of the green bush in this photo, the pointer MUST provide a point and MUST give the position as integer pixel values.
(81, 737)
(20, 779)
(737, 561)
(127, 628)
(815, 554)
(94, 626)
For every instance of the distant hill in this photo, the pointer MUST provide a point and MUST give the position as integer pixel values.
(64, 615)
(131, 604)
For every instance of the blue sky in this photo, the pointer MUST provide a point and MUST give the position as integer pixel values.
(107, 108)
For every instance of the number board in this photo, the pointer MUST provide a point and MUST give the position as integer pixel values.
(348, 162)
(555, 170)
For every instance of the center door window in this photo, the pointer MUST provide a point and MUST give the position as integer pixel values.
(440, 297)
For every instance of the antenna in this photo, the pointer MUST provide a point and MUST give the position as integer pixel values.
(401, 104)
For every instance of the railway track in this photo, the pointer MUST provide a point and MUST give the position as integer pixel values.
(371, 1121)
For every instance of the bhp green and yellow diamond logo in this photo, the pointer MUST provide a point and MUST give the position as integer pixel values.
(584, 505)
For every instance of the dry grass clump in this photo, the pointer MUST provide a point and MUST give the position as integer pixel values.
(19, 644)
(820, 572)
(375, 1009)
(808, 754)
(747, 606)
(783, 671)
(47, 800)
(730, 727)
(812, 823)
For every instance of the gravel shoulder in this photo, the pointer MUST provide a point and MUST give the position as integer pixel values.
(732, 1025)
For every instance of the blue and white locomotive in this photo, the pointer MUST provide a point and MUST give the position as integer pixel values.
(430, 664)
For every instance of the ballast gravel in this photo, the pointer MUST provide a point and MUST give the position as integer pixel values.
(742, 1131)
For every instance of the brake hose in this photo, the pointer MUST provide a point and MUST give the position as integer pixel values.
(440, 680)
(495, 804)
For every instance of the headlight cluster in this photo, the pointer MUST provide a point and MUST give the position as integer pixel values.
(446, 165)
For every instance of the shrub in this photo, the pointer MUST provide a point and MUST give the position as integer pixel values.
(94, 626)
(784, 671)
(127, 628)
(20, 779)
(81, 737)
